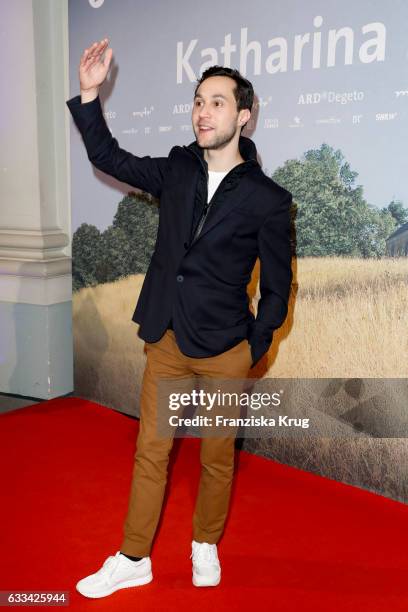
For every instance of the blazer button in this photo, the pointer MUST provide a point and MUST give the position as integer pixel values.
(180, 278)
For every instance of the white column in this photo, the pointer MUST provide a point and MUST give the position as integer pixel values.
(36, 352)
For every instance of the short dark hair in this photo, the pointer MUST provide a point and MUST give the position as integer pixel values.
(243, 90)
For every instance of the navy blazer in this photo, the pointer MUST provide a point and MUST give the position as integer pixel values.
(202, 261)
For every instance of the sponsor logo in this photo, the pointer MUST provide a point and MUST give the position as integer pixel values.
(182, 109)
(332, 97)
(385, 116)
(328, 120)
(261, 102)
(296, 122)
(271, 122)
(143, 113)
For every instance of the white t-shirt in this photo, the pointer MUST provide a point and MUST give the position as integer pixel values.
(214, 179)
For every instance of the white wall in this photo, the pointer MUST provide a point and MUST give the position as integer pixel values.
(35, 265)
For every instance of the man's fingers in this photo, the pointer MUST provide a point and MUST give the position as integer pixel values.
(97, 58)
(108, 57)
(88, 51)
(95, 50)
(100, 49)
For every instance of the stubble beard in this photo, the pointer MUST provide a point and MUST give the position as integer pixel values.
(217, 141)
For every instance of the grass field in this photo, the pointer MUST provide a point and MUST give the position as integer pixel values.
(348, 318)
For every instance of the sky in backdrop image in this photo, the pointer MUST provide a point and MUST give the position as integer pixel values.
(351, 94)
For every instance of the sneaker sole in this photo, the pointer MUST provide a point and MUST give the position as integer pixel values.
(123, 585)
(200, 581)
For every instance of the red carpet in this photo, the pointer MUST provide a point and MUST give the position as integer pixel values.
(293, 540)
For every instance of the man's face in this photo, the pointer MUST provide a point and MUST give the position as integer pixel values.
(215, 117)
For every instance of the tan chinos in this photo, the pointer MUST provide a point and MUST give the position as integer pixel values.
(165, 360)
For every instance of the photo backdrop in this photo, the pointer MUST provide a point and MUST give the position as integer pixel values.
(330, 123)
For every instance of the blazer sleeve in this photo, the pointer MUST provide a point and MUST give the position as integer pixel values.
(275, 255)
(104, 153)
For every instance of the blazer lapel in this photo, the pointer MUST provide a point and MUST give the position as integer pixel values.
(230, 193)
(185, 190)
(233, 193)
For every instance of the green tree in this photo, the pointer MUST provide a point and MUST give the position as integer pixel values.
(117, 255)
(86, 253)
(332, 217)
(124, 248)
(397, 211)
(138, 217)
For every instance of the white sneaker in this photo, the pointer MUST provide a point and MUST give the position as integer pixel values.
(117, 572)
(206, 565)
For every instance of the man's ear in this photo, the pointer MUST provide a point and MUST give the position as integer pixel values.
(245, 115)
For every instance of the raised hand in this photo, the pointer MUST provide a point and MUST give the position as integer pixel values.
(92, 68)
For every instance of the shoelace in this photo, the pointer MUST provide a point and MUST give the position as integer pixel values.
(204, 552)
(109, 565)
